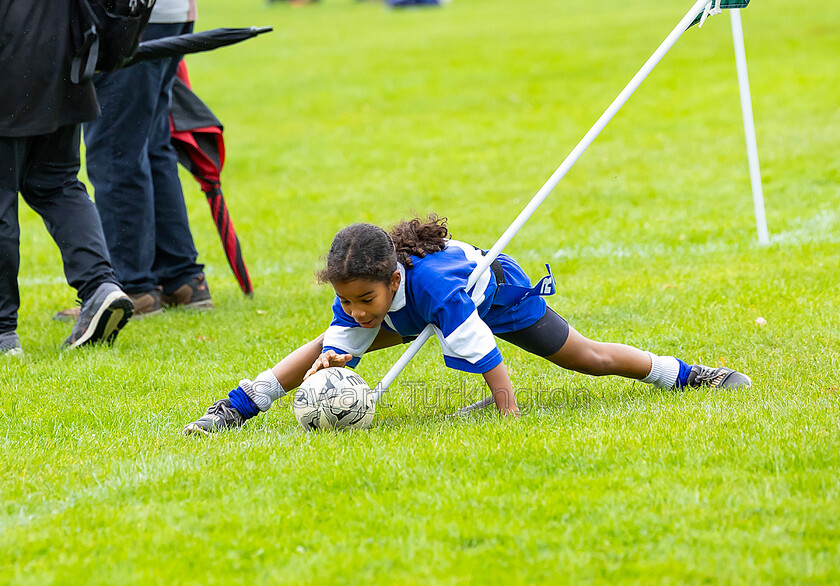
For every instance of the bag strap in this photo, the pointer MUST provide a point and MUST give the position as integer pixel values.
(90, 47)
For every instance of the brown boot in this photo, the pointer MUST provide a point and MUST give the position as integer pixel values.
(146, 304)
(69, 314)
(193, 295)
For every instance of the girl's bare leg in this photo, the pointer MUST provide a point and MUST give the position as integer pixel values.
(601, 358)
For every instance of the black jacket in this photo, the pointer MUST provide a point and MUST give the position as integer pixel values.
(36, 49)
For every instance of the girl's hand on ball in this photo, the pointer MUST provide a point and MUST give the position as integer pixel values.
(327, 359)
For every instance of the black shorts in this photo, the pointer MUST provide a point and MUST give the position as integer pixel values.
(544, 337)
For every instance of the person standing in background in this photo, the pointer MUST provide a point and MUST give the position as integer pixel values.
(134, 171)
(40, 115)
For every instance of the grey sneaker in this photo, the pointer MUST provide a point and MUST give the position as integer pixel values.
(101, 317)
(145, 305)
(718, 378)
(10, 344)
(220, 415)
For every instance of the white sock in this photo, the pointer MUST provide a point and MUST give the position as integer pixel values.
(263, 390)
(663, 371)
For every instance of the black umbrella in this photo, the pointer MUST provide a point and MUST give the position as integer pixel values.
(193, 43)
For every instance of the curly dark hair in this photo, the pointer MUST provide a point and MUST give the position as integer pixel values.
(418, 238)
(367, 252)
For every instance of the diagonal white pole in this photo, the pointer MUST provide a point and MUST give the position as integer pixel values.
(552, 182)
(749, 124)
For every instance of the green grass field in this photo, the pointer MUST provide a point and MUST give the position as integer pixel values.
(351, 112)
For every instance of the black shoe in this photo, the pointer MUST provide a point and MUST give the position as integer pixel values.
(718, 378)
(101, 317)
(220, 415)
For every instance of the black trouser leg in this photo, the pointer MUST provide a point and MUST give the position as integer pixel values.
(175, 254)
(12, 153)
(51, 187)
(134, 170)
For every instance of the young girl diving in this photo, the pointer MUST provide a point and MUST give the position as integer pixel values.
(390, 285)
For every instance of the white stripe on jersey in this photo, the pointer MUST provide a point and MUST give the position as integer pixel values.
(352, 340)
(474, 256)
(472, 340)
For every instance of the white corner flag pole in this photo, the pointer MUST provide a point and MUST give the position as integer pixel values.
(552, 182)
(749, 124)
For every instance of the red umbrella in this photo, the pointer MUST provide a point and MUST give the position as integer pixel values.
(197, 137)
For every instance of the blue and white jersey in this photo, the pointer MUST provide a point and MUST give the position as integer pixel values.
(434, 292)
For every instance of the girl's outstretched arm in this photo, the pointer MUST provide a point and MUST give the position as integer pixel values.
(251, 398)
(292, 369)
(499, 382)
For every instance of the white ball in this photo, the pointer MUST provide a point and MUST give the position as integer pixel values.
(334, 398)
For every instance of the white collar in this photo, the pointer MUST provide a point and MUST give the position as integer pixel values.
(399, 297)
